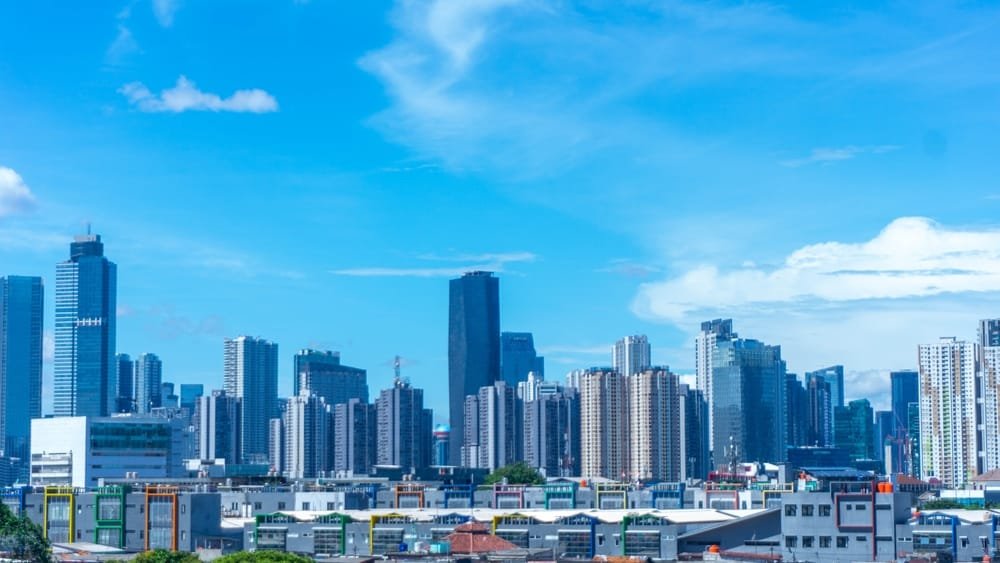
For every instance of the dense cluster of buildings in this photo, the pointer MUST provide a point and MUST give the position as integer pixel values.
(633, 425)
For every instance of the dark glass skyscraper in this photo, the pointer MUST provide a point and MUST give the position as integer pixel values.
(748, 381)
(125, 371)
(518, 358)
(473, 346)
(834, 375)
(323, 375)
(21, 303)
(251, 374)
(905, 390)
(853, 429)
(148, 380)
(85, 369)
(797, 411)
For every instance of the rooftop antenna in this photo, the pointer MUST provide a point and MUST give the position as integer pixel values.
(395, 366)
(88, 228)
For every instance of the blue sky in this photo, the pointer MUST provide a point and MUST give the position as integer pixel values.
(313, 172)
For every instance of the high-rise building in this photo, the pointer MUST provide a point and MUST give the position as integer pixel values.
(84, 366)
(518, 358)
(885, 428)
(217, 421)
(695, 457)
(168, 397)
(748, 381)
(552, 432)
(470, 432)
(404, 428)
(913, 431)
(276, 441)
(989, 332)
(989, 392)
(951, 448)
(355, 439)
(712, 332)
(500, 418)
(148, 383)
(323, 375)
(603, 424)
(797, 411)
(473, 346)
(307, 437)
(654, 425)
(834, 375)
(819, 412)
(251, 374)
(439, 453)
(189, 395)
(905, 386)
(631, 355)
(853, 429)
(21, 303)
(125, 368)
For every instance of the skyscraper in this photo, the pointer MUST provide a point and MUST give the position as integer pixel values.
(989, 332)
(654, 425)
(125, 370)
(323, 375)
(748, 378)
(307, 437)
(904, 391)
(603, 424)
(148, 383)
(885, 428)
(631, 355)
(404, 427)
(950, 446)
(189, 395)
(796, 412)
(217, 423)
(251, 374)
(21, 304)
(834, 375)
(712, 332)
(695, 456)
(500, 417)
(552, 433)
(473, 346)
(84, 367)
(355, 439)
(819, 411)
(853, 429)
(518, 358)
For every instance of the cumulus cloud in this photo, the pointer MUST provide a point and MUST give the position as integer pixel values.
(185, 96)
(164, 10)
(911, 257)
(831, 155)
(15, 196)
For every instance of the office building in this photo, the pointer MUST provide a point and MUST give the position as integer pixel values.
(712, 332)
(819, 412)
(904, 391)
(307, 437)
(834, 375)
(355, 437)
(84, 365)
(695, 457)
(168, 397)
(125, 369)
(989, 333)
(748, 380)
(853, 429)
(276, 443)
(21, 327)
(251, 374)
(500, 423)
(552, 432)
(796, 411)
(217, 422)
(323, 375)
(631, 355)
(473, 346)
(189, 395)
(913, 432)
(148, 383)
(654, 425)
(950, 446)
(518, 358)
(79, 451)
(884, 440)
(403, 428)
(604, 435)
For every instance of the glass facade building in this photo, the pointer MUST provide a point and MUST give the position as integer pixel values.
(84, 369)
(905, 390)
(21, 325)
(748, 381)
(148, 380)
(834, 375)
(473, 346)
(250, 369)
(518, 358)
(853, 429)
(323, 375)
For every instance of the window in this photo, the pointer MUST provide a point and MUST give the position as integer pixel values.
(964, 541)
(825, 541)
(791, 541)
(258, 506)
(841, 541)
(807, 509)
(281, 505)
(860, 507)
(860, 538)
(807, 541)
(330, 506)
(305, 506)
(183, 508)
(790, 509)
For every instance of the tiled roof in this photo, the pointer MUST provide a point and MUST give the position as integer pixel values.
(472, 537)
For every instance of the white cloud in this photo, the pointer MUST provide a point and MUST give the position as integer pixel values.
(164, 10)
(911, 257)
(831, 155)
(15, 196)
(185, 96)
(487, 262)
(123, 46)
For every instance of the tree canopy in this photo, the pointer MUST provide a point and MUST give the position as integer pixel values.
(164, 556)
(519, 473)
(22, 538)
(263, 557)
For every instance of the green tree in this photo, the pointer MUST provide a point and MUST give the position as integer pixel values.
(263, 557)
(164, 556)
(519, 473)
(22, 538)
(941, 504)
